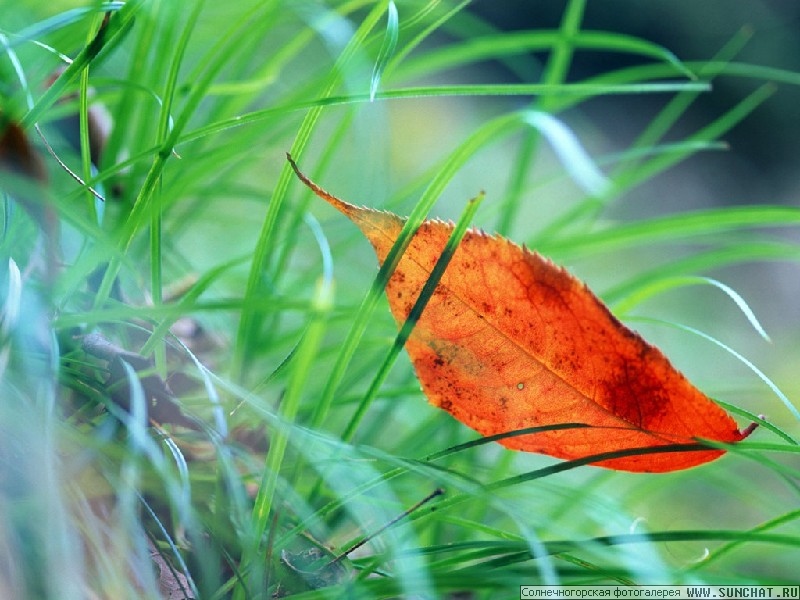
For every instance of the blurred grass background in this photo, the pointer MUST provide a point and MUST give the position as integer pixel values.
(208, 209)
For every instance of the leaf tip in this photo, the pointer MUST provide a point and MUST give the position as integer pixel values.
(747, 431)
(339, 204)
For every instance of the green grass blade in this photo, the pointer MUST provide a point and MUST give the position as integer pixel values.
(769, 383)
(387, 49)
(662, 285)
(107, 38)
(691, 225)
(416, 311)
(267, 239)
(300, 372)
(490, 132)
(742, 252)
(569, 151)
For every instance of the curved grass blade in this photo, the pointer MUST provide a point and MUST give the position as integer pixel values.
(718, 553)
(509, 43)
(387, 49)
(769, 383)
(586, 211)
(745, 251)
(663, 285)
(266, 239)
(671, 228)
(569, 150)
(107, 38)
(46, 26)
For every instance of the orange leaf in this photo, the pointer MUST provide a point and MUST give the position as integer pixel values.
(510, 341)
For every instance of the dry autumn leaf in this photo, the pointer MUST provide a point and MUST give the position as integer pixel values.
(510, 341)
